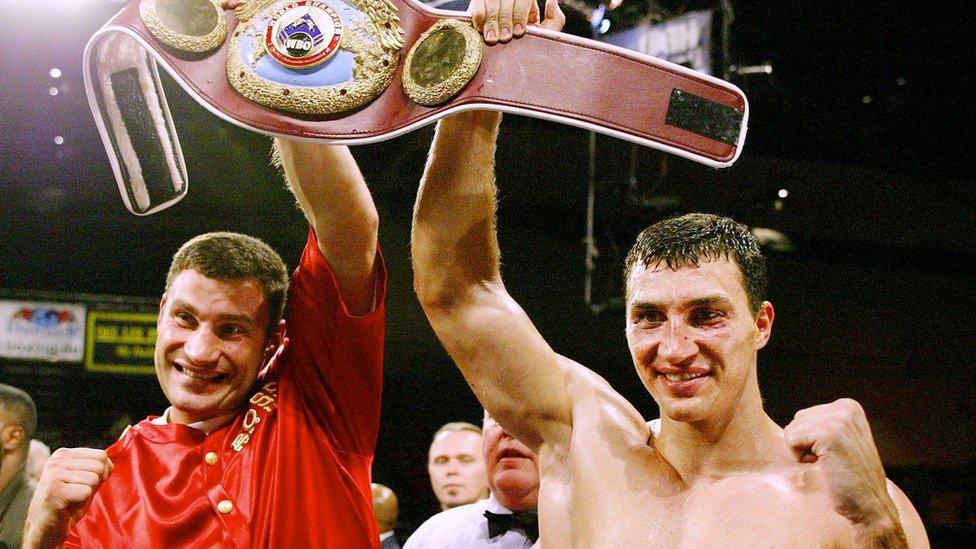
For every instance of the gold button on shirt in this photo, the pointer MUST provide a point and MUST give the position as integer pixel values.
(225, 506)
(211, 458)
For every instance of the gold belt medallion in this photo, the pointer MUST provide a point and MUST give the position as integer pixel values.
(314, 57)
(442, 62)
(194, 26)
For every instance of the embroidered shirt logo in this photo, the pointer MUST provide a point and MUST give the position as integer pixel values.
(262, 403)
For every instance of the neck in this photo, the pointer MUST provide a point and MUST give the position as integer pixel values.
(10, 464)
(742, 440)
(518, 500)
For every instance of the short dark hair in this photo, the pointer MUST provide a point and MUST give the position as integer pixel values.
(20, 406)
(233, 256)
(684, 241)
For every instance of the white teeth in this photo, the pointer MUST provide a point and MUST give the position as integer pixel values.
(683, 377)
(195, 375)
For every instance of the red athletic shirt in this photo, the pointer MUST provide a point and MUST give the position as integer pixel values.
(292, 471)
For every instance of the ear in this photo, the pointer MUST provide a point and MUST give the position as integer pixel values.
(12, 437)
(274, 340)
(162, 305)
(764, 324)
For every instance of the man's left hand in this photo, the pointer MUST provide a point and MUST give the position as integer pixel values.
(838, 438)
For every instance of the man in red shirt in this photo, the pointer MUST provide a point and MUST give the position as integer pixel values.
(269, 438)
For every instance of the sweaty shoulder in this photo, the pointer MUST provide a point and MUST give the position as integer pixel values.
(599, 407)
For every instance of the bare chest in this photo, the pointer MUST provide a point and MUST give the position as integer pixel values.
(756, 510)
(636, 504)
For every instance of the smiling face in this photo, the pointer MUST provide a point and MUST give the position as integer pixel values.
(513, 469)
(210, 345)
(456, 468)
(694, 340)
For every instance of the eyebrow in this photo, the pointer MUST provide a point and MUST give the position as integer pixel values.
(222, 317)
(710, 300)
(646, 306)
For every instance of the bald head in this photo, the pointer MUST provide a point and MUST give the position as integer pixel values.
(385, 507)
(456, 466)
(36, 457)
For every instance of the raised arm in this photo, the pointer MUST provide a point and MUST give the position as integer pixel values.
(332, 193)
(519, 379)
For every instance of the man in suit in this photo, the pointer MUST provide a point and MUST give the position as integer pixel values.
(18, 421)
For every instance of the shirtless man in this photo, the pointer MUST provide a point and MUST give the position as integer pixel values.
(719, 472)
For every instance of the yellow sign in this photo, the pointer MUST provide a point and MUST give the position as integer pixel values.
(120, 343)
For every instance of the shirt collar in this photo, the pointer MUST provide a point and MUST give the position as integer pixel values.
(496, 507)
(207, 426)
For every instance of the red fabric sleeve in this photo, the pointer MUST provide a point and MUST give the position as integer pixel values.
(335, 359)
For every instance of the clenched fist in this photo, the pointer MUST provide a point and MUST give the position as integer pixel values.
(67, 485)
(838, 438)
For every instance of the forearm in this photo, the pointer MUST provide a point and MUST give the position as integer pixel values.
(331, 191)
(878, 525)
(44, 534)
(333, 195)
(453, 240)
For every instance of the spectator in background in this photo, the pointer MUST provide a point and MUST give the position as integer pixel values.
(18, 421)
(455, 465)
(508, 518)
(36, 456)
(386, 510)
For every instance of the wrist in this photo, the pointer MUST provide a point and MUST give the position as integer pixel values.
(476, 121)
(45, 532)
(882, 530)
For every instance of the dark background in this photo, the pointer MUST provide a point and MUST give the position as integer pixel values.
(866, 121)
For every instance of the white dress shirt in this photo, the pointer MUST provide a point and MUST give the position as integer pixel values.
(466, 527)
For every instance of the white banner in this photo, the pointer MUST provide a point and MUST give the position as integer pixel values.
(685, 40)
(42, 331)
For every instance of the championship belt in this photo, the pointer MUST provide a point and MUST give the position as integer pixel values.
(360, 71)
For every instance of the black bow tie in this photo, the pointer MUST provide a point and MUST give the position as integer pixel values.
(527, 522)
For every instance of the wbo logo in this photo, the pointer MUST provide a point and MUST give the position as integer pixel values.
(303, 34)
(300, 36)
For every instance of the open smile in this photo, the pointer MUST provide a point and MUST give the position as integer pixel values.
(200, 376)
(683, 384)
(685, 376)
